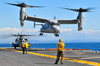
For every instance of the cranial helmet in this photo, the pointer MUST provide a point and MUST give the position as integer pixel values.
(60, 40)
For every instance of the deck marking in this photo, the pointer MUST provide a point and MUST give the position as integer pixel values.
(90, 57)
(50, 56)
(80, 53)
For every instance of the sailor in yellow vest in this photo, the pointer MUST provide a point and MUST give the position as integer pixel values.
(60, 51)
(25, 46)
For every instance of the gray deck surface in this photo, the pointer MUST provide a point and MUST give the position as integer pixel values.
(13, 58)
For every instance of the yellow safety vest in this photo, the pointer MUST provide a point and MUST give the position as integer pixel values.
(25, 45)
(60, 46)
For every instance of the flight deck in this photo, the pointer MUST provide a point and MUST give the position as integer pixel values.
(36, 57)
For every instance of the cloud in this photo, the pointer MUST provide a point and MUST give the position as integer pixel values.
(65, 30)
(66, 34)
(8, 30)
(90, 31)
(5, 33)
(82, 36)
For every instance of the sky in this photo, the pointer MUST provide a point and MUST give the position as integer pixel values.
(10, 24)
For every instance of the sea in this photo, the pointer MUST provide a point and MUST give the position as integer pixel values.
(91, 45)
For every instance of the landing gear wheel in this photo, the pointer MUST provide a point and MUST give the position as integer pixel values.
(41, 34)
(14, 47)
(57, 35)
(12, 44)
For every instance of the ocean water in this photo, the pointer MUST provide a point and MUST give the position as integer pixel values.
(91, 46)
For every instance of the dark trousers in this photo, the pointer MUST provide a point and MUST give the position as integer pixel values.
(24, 49)
(59, 54)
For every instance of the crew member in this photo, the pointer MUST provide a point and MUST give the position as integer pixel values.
(60, 51)
(25, 46)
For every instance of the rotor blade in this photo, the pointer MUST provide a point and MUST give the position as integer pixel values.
(70, 9)
(24, 5)
(28, 35)
(14, 35)
(88, 9)
(80, 9)
(21, 35)
(14, 4)
(33, 6)
(4, 36)
(85, 10)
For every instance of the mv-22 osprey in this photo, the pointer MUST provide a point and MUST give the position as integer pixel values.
(51, 25)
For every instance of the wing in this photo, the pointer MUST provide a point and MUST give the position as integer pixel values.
(67, 21)
(41, 20)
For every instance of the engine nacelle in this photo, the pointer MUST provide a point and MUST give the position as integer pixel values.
(80, 25)
(22, 16)
(21, 23)
(80, 21)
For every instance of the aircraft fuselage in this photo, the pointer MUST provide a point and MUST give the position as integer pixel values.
(51, 27)
(46, 28)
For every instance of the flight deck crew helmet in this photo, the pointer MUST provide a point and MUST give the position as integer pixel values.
(26, 39)
(60, 40)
